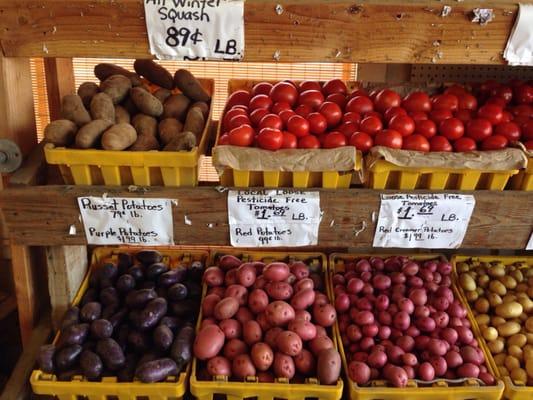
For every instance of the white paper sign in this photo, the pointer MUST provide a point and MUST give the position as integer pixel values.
(430, 221)
(270, 218)
(519, 49)
(529, 245)
(132, 221)
(195, 29)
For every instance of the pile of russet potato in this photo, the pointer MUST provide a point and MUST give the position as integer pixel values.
(138, 111)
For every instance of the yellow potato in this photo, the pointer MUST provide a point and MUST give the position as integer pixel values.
(480, 291)
(494, 299)
(526, 303)
(472, 296)
(463, 267)
(483, 281)
(529, 337)
(511, 309)
(503, 371)
(498, 288)
(496, 347)
(508, 281)
(497, 321)
(516, 352)
(497, 271)
(519, 340)
(529, 368)
(499, 359)
(509, 328)
(490, 333)
(527, 352)
(519, 375)
(509, 297)
(482, 319)
(521, 287)
(517, 275)
(511, 363)
(467, 282)
(529, 324)
(482, 305)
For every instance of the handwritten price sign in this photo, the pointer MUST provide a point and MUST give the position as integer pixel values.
(195, 29)
(431, 221)
(269, 218)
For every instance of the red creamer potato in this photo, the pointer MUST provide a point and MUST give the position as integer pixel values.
(213, 276)
(289, 343)
(305, 362)
(276, 272)
(257, 301)
(219, 366)
(262, 356)
(284, 366)
(228, 262)
(328, 366)
(243, 366)
(226, 308)
(208, 342)
(233, 348)
(279, 313)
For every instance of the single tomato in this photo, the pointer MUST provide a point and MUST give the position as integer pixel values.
(333, 140)
(290, 141)
(230, 114)
(284, 91)
(241, 136)
(223, 140)
(334, 86)
(523, 94)
(298, 125)
(505, 92)
(351, 117)
(317, 123)
(417, 102)
(304, 110)
(337, 98)
(491, 112)
(498, 101)
(439, 143)
(510, 130)
(445, 102)
(464, 144)
(452, 128)
(392, 112)
(403, 124)
(467, 102)
(308, 142)
(463, 115)
(309, 85)
(523, 110)
(280, 106)
(386, 99)
(494, 142)
(271, 121)
(426, 128)
(238, 97)
(389, 138)
(270, 139)
(507, 116)
(257, 115)
(359, 104)
(286, 114)
(238, 120)
(311, 98)
(438, 116)
(361, 141)
(418, 115)
(478, 129)
(415, 142)
(332, 112)
(456, 90)
(260, 101)
(348, 128)
(261, 88)
(371, 125)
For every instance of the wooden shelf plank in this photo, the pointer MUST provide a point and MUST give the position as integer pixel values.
(374, 31)
(42, 216)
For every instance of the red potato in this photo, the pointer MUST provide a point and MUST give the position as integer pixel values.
(257, 301)
(289, 343)
(279, 290)
(426, 372)
(439, 365)
(213, 276)
(328, 366)
(276, 272)
(207, 321)
(226, 308)
(233, 348)
(468, 370)
(305, 283)
(208, 342)
(243, 314)
(263, 321)
(242, 366)
(262, 356)
(302, 314)
(237, 291)
(320, 331)
(284, 366)
(305, 362)
(218, 290)
(325, 315)
(231, 277)
(246, 274)
(303, 299)
(300, 270)
(251, 332)
(231, 327)
(227, 262)
(279, 313)
(359, 372)
(271, 336)
(304, 329)
(217, 366)
(260, 282)
(265, 377)
(396, 375)
(320, 343)
(209, 303)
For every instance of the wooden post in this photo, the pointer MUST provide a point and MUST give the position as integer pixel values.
(67, 266)
(59, 82)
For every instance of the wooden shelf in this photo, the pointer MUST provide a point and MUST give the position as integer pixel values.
(373, 31)
(42, 215)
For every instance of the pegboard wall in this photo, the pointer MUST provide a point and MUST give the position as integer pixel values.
(468, 73)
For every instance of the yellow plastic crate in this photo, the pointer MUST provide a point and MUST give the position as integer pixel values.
(142, 168)
(385, 175)
(439, 389)
(512, 391)
(297, 179)
(524, 179)
(281, 389)
(109, 388)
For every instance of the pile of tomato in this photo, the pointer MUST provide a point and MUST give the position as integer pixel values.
(311, 115)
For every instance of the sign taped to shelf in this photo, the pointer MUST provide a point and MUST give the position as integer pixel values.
(131, 221)
(195, 30)
(270, 218)
(429, 221)
(529, 245)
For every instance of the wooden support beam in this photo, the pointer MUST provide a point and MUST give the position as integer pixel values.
(59, 82)
(43, 216)
(32, 170)
(375, 31)
(67, 266)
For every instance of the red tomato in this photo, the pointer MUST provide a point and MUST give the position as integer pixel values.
(438, 116)
(309, 85)
(271, 121)
(445, 102)
(351, 117)
(286, 114)
(348, 128)
(439, 143)
(457, 90)
(523, 94)
(478, 129)
(337, 98)
(290, 141)
(311, 98)
(317, 123)
(392, 112)
(360, 104)
(505, 92)
(260, 101)
(261, 88)
(389, 138)
(240, 107)
(507, 116)
(298, 125)
(238, 97)
(280, 106)
(362, 141)
(238, 120)
(223, 139)
(498, 101)
(418, 115)
(426, 128)
(304, 110)
(371, 125)
(510, 130)
(270, 139)
(308, 142)
(333, 140)
(464, 144)
(334, 86)
(463, 115)
(332, 112)
(373, 114)
(257, 115)
(523, 110)
(527, 131)
(241, 136)
(417, 102)
(491, 112)
(357, 92)
(520, 120)
(494, 142)
(529, 144)
(230, 114)
(284, 91)
(415, 142)
(452, 128)
(386, 99)
(403, 124)
(467, 102)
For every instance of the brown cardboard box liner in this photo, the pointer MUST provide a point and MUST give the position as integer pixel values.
(498, 160)
(342, 159)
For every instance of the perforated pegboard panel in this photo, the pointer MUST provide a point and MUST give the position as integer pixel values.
(468, 73)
